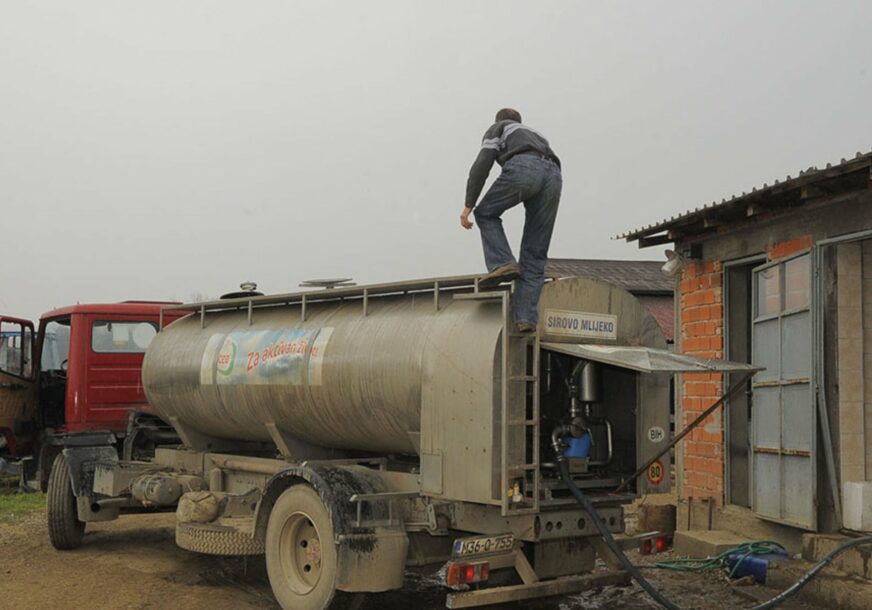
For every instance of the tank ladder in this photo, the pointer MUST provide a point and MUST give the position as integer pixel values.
(519, 378)
(519, 408)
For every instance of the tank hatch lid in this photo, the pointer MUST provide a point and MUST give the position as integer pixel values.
(649, 359)
(328, 283)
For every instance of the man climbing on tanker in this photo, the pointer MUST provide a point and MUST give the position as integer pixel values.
(531, 175)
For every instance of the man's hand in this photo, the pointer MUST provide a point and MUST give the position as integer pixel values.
(464, 218)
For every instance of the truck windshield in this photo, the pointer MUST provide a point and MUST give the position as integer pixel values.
(56, 345)
(121, 337)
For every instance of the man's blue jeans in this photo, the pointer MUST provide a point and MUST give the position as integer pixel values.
(537, 183)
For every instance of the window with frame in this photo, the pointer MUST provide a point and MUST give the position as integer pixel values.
(16, 349)
(122, 336)
(783, 420)
(55, 345)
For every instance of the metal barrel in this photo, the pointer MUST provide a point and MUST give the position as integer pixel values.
(339, 379)
(351, 373)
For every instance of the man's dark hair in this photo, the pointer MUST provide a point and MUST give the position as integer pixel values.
(508, 114)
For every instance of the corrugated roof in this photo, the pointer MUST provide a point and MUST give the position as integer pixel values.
(638, 277)
(810, 184)
(662, 308)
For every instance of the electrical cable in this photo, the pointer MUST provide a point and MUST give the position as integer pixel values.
(634, 572)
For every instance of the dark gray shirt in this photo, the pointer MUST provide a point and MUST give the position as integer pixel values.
(502, 141)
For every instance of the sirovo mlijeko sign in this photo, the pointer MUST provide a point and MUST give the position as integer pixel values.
(581, 324)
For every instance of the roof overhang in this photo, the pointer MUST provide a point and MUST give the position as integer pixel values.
(809, 186)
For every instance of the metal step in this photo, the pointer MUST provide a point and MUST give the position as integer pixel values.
(522, 508)
(535, 590)
(524, 378)
(523, 422)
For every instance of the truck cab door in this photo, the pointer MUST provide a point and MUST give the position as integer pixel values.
(18, 398)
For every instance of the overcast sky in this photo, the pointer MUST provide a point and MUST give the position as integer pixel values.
(164, 149)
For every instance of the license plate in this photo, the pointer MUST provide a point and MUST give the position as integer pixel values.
(483, 545)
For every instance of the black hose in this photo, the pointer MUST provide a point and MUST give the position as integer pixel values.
(610, 541)
(806, 578)
(654, 593)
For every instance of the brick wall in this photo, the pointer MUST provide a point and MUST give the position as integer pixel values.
(786, 248)
(702, 323)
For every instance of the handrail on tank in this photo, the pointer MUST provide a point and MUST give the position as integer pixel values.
(435, 285)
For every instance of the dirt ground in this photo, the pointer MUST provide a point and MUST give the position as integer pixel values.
(133, 563)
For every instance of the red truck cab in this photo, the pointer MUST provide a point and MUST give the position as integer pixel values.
(79, 374)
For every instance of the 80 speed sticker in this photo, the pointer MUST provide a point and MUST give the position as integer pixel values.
(656, 472)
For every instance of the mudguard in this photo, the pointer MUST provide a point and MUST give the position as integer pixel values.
(82, 461)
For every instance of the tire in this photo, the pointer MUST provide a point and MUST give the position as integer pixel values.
(47, 456)
(213, 539)
(301, 557)
(64, 528)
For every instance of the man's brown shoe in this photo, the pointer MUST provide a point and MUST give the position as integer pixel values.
(525, 327)
(506, 273)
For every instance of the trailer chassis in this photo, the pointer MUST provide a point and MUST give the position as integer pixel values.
(375, 519)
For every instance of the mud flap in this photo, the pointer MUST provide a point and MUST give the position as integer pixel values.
(81, 462)
(372, 562)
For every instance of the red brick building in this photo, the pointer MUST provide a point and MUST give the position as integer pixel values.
(782, 277)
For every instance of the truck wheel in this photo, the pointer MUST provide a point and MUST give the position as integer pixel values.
(301, 557)
(64, 528)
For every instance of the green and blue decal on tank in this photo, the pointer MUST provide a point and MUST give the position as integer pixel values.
(293, 356)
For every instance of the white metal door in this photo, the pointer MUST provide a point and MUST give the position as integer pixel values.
(783, 420)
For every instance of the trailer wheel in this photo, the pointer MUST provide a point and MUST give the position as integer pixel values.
(64, 528)
(301, 557)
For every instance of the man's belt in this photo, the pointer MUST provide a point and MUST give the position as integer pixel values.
(535, 153)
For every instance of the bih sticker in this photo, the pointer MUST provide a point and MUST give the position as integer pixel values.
(656, 473)
(656, 434)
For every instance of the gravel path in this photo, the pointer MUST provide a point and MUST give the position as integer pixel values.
(133, 563)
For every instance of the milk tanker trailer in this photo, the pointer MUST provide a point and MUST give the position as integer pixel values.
(349, 433)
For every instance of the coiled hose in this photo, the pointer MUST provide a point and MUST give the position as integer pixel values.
(634, 572)
(744, 551)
